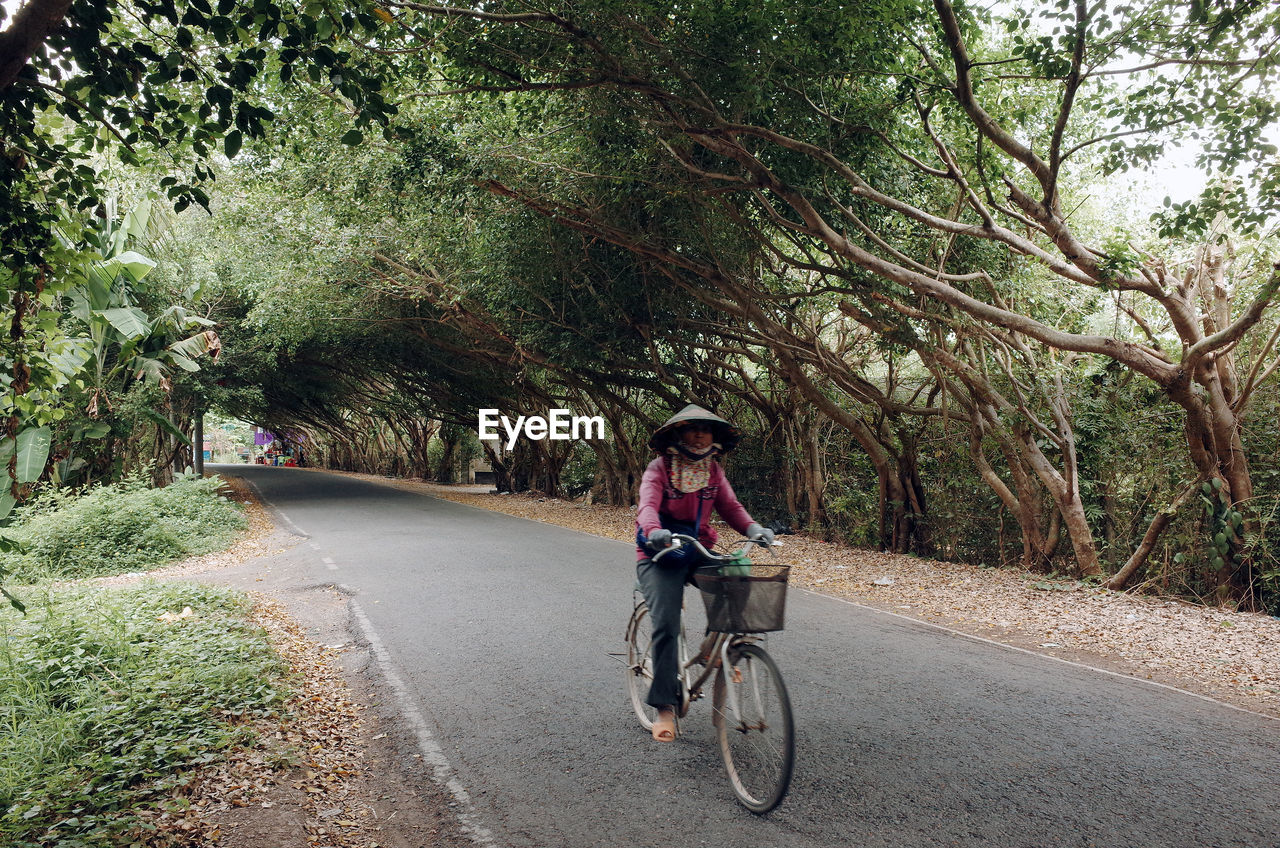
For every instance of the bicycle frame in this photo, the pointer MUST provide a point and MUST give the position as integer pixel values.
(694, 684)
(735, 712)
(718, 658)
(718, 655)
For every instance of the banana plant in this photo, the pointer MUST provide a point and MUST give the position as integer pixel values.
(92, 334)
(29, 453)
(124, 342)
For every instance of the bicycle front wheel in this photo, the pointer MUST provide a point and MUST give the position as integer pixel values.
(752, 714)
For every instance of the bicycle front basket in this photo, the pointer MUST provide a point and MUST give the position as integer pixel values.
(752, 603)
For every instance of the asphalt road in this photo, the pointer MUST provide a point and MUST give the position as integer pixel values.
(500, 637)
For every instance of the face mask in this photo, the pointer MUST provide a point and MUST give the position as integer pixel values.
(691, 472)
(691, 454)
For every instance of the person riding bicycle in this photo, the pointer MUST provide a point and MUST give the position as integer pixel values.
(679, 489)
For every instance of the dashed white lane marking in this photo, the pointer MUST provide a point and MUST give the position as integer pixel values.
(984, 640)
(432, 754)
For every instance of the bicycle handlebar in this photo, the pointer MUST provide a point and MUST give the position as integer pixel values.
(679, 540)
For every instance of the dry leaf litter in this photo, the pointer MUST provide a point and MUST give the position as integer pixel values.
(1226, 654)
(316, 748)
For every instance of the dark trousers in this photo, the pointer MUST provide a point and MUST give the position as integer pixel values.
(662, 585)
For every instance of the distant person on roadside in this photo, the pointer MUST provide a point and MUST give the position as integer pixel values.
(679, 489)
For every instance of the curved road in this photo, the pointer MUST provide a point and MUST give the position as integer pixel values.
(500, 637)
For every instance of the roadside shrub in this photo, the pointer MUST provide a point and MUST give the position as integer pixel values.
(127, 526)
(106, 704)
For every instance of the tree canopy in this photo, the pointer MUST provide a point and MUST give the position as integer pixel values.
(892, 237)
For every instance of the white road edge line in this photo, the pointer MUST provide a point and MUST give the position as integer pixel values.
(287, 520)
(432, 754)
(1028, 652)
(263, 499)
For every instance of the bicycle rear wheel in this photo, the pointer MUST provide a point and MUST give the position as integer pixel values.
(640, 664)
(639, 671)
(758, 742)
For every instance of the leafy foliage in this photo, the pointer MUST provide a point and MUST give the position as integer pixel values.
(105, 705)
(159, 83)
(882, 228)
(127, 526)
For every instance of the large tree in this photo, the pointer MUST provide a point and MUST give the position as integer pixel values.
(859, 129)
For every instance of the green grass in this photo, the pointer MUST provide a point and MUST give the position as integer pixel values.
(104, 708)
(115, 529)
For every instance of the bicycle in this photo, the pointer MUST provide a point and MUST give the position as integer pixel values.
(751, 710)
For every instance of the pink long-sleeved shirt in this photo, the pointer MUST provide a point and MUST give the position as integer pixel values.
(659, 497)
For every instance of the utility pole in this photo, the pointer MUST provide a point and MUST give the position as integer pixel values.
(197, 440)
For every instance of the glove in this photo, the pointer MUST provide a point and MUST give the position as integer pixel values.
(659, 539)
(756, 533)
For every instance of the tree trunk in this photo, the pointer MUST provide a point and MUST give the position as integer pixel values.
(501, 471)
(897, 521)
(1065, 491)
(421, 431)
(26, 32)
(814, 479)
(1024, 505)
(445, 471)
(908, 471)
(1212, 430)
